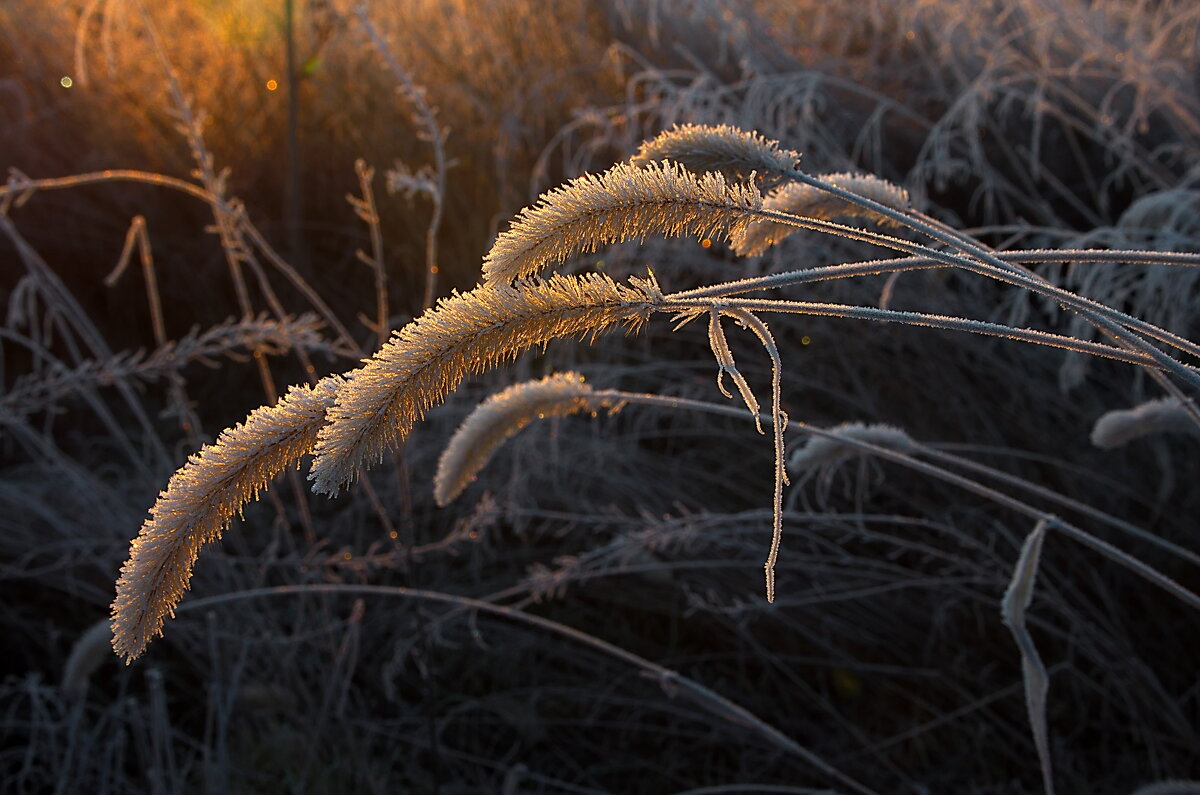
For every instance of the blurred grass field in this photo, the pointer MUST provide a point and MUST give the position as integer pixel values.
(1029, 123)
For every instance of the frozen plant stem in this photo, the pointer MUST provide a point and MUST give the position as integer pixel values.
(430, 131)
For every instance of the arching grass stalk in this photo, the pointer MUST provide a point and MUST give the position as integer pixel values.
(711, 148)
(671, 681)
(934, 470)
(1105, 317)
(674, 303)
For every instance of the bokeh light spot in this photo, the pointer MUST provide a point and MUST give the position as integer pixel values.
(272, 85)
(66, 81)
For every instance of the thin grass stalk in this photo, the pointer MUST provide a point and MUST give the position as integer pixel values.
(671, 681)
(433, 133)
(1104, 548)
(779, 423)
(974, 248)
(1105, 317)
(77, 323)
(875, 267)
(366, 210)
(672, 303)
(1037, 682)
(20, 190)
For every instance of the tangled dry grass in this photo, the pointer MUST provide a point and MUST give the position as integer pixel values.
(981, 568)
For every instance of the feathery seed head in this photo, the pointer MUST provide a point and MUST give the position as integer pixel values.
(500, 417)
(738, 155)
(621, 204)
(465, 334)
(1118, 428)
(199, 502)
(798, 198)
(820, 450)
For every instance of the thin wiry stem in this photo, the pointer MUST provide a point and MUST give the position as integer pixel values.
(672, 682)
(778, 425)
(1104, 316)
(1104, 548)
(1037, 682)
(433, 133)
(905, 455)
(672, 302)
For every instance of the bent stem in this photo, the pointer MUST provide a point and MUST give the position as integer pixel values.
(671, 681)
(676, 303)
(1104, 548)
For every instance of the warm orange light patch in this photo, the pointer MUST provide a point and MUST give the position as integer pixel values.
(272, 85)
(705, 242)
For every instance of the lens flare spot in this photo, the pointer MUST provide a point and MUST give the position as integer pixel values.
(66, 81)
(705, 243)
(805, 340)
(272, 85)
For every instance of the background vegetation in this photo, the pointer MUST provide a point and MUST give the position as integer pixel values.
(621, 556)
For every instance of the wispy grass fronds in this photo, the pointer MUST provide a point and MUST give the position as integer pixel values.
(621, 204)
(501, 416)
(822, 450)
(199, 502)
(464, 334)
(1119, 428)
(811, 202)
(35, 392)
(1037, 682)
(736, 154)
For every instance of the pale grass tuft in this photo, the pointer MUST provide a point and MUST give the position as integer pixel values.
(1013, 607)
(1170, 787)
(464, 334)
(91, 650)
(819, 451)
(1118, 428)
(500, 417)
(624, 203)
(798, 198)
(199, 502)
(736, 154)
